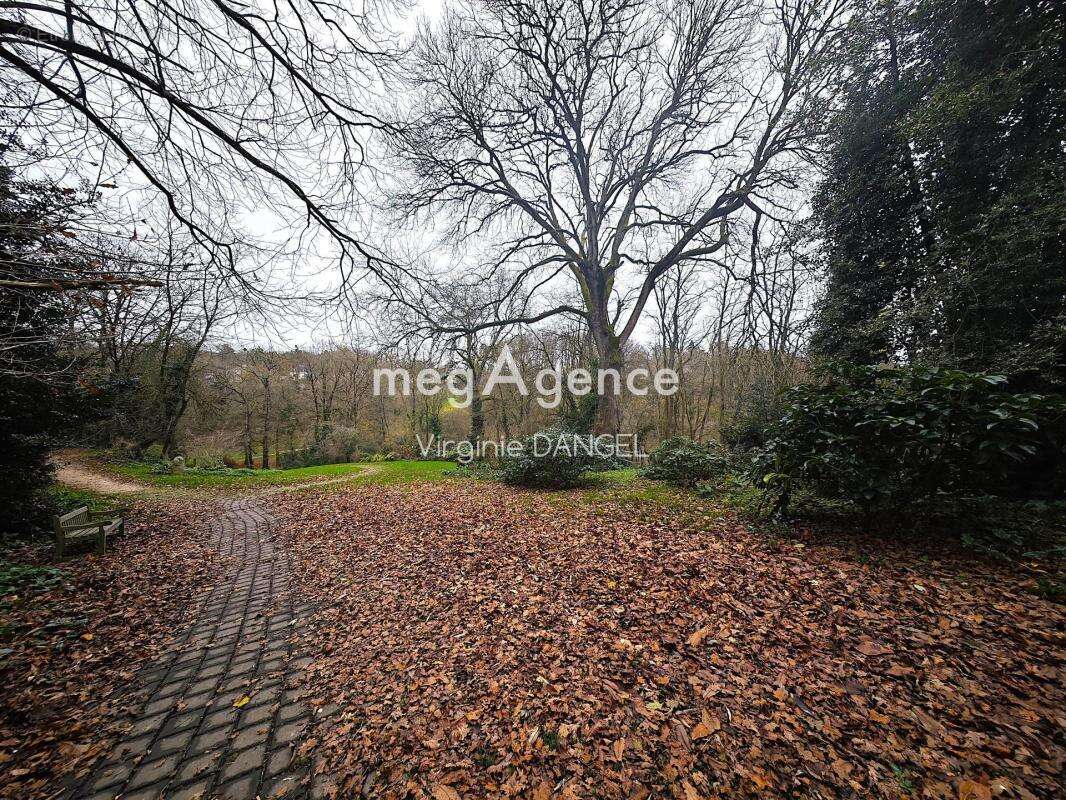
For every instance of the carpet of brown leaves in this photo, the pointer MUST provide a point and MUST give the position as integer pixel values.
(71, 648)
(481, 641)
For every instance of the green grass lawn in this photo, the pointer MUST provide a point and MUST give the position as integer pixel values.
(410, 471)
(67, 499)
(385, 472)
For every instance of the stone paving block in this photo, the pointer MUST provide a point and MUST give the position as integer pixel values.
(181, 674)
(153, 792)
(244, 761)
(211, 742)
(196, 767)
(222, 718)
(198, 702)
(293, 696)
(181, 722)
(147, 725)
(290, 712)
(255, 715)
(235, 684)
(271, 665)
(217, 654)
(155, 675)
(238, 789)
(134, 746)
(279, 761)
(153, 770)
(196, 790)
(289, 733)
(202, 684)
(187, 740)
(267, 694)
(287, 788)
(175, 742)
(169, 689)
(248, 737)
(244, 665)
(163, 704)
(225, 701)
(112, 776)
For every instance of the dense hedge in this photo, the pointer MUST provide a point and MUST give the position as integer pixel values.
(683, 461)
(880, 436)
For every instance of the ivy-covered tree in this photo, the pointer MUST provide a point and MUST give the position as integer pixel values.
(943, 207)
(37, 393)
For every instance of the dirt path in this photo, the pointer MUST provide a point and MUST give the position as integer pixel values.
(78, 476)
(74, 471)
(292, 487)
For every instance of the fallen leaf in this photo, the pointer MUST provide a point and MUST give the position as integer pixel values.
(871, 648)
(972, 790)
(696, 638)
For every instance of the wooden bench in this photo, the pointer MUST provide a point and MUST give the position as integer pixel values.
(81, 524)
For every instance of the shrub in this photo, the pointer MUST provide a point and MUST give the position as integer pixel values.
(160, 468)
(291, 459)
(683, 461)
(1006, 529)
(478, 470)
(890, 436)
(551, 459)
(210, 461)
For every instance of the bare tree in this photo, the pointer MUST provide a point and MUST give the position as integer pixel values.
(609, 140)
(265, 365)
(200, 96)
(451, 317)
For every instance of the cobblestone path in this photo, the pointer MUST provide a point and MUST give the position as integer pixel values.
(223, 713)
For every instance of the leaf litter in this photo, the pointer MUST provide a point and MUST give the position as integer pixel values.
(482, 641)
(72, 650)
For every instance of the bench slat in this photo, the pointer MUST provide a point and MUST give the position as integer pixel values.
(78, 524)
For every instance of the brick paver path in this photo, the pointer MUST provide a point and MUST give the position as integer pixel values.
(189, 739)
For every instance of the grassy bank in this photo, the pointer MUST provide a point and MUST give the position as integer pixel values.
(381, 472)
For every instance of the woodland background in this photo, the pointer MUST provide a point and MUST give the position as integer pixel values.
(928, 232)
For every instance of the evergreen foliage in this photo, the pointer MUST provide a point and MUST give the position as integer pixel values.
(942, 204)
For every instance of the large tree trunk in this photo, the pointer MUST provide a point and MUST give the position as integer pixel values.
(171, 425)
(609, 350)
(477, 418)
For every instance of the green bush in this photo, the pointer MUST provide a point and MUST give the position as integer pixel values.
(552, 459)
(22, 578)
(1007, 529)
(160, 468)
(682, 461)
(745, 433)
(884, 437)
(210, 462)
(478, 470)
